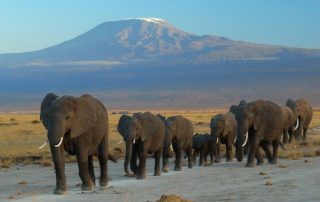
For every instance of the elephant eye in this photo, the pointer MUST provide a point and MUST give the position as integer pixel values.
(68, 117)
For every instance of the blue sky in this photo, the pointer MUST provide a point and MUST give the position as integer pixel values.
(35, 24)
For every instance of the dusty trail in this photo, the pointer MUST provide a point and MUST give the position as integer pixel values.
(296, 180)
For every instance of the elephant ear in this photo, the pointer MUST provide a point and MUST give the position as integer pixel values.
(45, 104)
(123, 123)
(85, 116)
(149, 126)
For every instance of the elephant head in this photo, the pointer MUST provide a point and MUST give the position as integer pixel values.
(217, 126)
(246, 118)
(296, 109)
(123, 129)
(66, 115)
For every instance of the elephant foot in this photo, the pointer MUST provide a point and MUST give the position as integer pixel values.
(103, 183)
(141, 177)
(59, 191)
(190, 166)
(228, 160)
(274, 161)
(201, 164)
(86, 187)
(165, 169)
(259, 163)
(157, 174)
(217, 161)
(249, 164)
(177, 168)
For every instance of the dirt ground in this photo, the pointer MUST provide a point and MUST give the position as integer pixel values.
(290, 180)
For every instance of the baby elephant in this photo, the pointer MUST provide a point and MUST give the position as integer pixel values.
(223, 130)
(203, 144)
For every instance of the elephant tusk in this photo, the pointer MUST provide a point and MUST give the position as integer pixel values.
(44, 144)
(245, 142)
(217, 140)
(288, 137)
(58, 145)
(297, 125)
(235, 140)
(134, 141)
(120, 142)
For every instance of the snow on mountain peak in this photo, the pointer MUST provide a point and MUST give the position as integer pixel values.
(154, 20)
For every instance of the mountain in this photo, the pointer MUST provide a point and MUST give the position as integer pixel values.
(150, 40)
(149, 63)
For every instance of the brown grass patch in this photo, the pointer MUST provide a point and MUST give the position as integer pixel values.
(172, 198)
(35, 121)
(268, 183)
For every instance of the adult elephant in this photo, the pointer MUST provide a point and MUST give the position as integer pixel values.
(223, 131)
(179, 132)
(259, 122)
(78, 125)
(144, 133)
(303, 115)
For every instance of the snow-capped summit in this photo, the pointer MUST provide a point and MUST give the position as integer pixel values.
(154, 20)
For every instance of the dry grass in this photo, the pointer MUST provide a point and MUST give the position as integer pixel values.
(22, 134)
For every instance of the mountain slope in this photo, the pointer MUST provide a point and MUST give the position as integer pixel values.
(150, 40)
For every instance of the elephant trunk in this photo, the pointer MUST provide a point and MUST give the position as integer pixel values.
(55, 135)
(239, 153)
(128, 156)
(59, 163)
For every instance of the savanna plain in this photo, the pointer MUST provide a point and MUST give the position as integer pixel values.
(27, 173)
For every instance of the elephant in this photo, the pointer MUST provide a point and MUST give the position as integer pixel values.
(78, 125)
(179, 132)
(259, 122)
(223, 131)
(289, 124)
(203, 144)
(144, 133)
(303, 115)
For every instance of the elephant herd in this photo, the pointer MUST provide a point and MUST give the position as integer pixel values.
(79, 126)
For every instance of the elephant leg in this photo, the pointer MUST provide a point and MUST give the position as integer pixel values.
(59, 163)
(165, 160)
(275, 144)
(201, 156)
(157, 158)
(190, 159)
(195, 153)
(254, 142)
(134, 157)
(229, 152)
(265, 147)
(305, 130)
(259, 157)
(218, 156)
(91, 169)
(142, 162)
(211, 155)
(82, 159)
(177, 150)
(103, 161)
